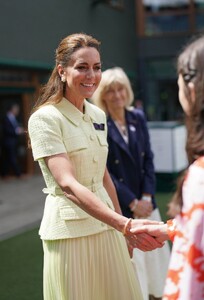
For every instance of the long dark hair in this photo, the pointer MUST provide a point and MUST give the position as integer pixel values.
(53, 91)
(190, 65)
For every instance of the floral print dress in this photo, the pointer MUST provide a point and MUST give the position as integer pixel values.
(185, 279)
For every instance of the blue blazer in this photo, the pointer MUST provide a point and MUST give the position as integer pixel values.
(131, 165)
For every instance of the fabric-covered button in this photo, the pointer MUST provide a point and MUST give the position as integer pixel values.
(121, 179)
(95, 159)
(86, 118)
(117, 161)
(92, 137)
(142, 153)
(94, 179)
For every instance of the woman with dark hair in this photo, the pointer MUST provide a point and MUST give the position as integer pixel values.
(85, 254)
(185, 279)
(186, 271)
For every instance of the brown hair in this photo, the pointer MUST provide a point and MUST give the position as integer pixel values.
(190, 65)
(53, 91)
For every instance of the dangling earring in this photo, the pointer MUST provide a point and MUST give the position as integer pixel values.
(63, 79)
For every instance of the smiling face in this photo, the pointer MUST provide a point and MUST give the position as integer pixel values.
(83, 74)
(115, 98)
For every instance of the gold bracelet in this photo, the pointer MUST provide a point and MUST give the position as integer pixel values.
(124, 231)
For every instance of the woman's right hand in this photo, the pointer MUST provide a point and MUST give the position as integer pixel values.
(158, 231)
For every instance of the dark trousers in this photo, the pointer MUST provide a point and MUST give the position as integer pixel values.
(10, 162)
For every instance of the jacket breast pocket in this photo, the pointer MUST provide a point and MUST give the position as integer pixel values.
(102, 140)
(76, 143)
(70, 214)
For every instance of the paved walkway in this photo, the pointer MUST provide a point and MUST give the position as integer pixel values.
(21, 205)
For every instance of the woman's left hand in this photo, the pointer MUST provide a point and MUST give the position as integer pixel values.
(143, 209)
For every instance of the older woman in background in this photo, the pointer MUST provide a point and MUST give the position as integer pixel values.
(130, 163)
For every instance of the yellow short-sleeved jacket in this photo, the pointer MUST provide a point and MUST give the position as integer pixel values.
(62, 128)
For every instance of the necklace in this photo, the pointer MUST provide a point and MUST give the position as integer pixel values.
(123, 131)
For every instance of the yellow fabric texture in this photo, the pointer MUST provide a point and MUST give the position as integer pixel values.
(100, 269)
(62, 128)
(84, 259)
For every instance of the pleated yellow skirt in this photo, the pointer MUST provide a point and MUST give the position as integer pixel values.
(96, 267)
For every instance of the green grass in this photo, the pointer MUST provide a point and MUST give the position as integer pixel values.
(162, 200)
(21, 267)
(21, 262)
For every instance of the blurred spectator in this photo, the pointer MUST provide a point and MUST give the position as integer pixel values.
(11, 130)
(139, 104)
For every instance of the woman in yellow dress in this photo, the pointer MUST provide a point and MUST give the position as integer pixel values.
(85, 254)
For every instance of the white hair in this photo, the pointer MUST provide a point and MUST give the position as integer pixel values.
(109, 78)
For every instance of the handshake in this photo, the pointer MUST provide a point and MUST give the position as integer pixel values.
(145, 235)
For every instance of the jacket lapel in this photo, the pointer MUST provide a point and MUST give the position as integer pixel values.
(73, 114)
(69, 111)
(132, 129)
(115, 135)
(134, 132)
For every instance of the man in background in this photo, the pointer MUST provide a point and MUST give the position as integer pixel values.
(11, 130)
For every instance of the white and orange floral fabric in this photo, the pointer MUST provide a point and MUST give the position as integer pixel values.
(185, 279)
